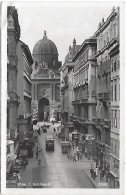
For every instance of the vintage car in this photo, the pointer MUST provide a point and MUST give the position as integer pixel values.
(49, 142)
(65, 146)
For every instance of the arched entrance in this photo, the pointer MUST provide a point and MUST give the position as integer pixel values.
(43, 109)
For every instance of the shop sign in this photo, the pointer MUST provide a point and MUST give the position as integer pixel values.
(90, 137)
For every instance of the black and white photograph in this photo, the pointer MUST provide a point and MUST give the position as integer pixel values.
(62, 88)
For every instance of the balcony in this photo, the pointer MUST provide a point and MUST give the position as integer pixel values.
(76, 102)
(104, 122)
(73, 117)
(13, 97)
(83, 120)
(103, 96)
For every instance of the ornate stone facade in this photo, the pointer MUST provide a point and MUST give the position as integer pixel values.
(46, 80)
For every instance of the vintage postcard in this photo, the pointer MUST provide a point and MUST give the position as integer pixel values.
(62, 97)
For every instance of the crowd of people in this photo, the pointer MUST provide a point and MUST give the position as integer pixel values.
(100, 172)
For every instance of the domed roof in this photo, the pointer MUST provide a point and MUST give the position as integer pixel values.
(45, 46)
(45, 50)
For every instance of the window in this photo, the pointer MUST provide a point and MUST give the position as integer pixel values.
(115, 149)
(115, 65)
(112, 118)
(118, 64)
(107, 38)
(104, 42)
(115, 119)
(111, 33)
(111, 147)
(112, 65)
(114, 30)
(115, 92)
(111, 93)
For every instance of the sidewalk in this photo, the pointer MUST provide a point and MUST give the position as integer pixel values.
(85, 165)
(26, 175)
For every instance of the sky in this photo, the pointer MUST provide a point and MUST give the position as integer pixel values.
(62, 21)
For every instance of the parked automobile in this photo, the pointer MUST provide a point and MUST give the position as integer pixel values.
(65, 146)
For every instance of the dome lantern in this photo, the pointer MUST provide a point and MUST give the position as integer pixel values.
(45, 34)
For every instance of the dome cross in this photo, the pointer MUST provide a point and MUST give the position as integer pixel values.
(45, 34)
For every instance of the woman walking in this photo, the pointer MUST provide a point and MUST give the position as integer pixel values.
(39, 156)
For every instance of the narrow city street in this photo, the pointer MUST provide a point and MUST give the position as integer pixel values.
(63, 97)
(56, 170)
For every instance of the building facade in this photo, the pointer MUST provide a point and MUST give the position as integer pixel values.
(46, 80)
(24, 86)
(13, 35)
(115, 106)
(67, 87)
(107, 82)
(84, 91)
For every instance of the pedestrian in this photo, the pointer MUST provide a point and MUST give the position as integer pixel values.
(19, 176)
(101, 175)
(96, 171)
(91, 172)
(73, 145)
(54, 130)
(94, 174)
(39, 156)
(78, 154)
(24, 164)
(103, 172)
(37, 152)
(74, 157)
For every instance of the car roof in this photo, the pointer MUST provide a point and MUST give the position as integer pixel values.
(49, 137)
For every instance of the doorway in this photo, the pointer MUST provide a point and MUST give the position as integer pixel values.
(43, 109)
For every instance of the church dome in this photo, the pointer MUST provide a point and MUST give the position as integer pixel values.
(46, 51)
